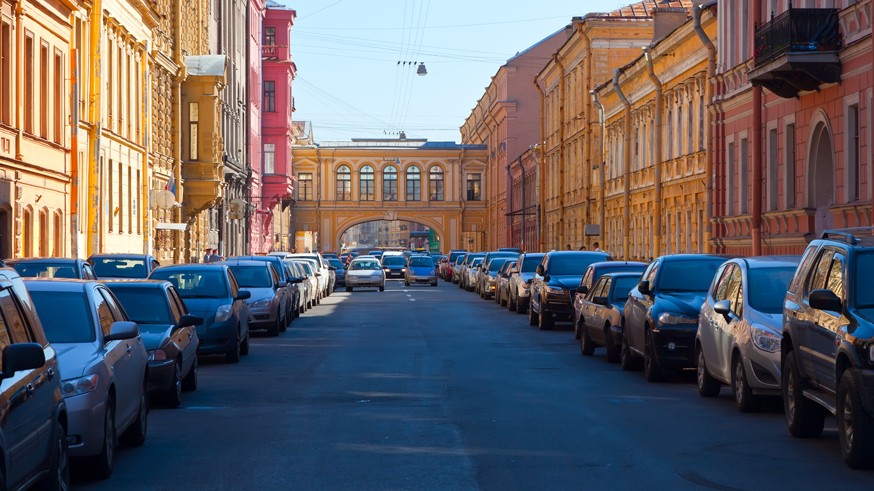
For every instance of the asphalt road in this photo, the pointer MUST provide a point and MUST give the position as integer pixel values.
(433, 388)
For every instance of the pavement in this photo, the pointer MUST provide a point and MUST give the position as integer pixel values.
(435, 389)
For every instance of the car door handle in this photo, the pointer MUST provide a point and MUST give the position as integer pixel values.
(128, 349)
(29, 389)
(50, 373)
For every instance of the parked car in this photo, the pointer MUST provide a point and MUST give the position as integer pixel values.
(471, 270)
(520, 283)
(394, 266)
(294, 270)
(212, 293)
(555, 281)
(456, 268)
(660, 319)
(488, 278)
(267, 308)
(502, 285)
(465, 266)
(326, 275)
(52, 267)
(33, 423)
(290, 290)
(311, 297)
(600, 313)
(365, 272)
(123, 265)
(739, 329)
(827, 347)
(103, 367)
(169, 335)
(421, 269)
(339, 271)
(592, 274)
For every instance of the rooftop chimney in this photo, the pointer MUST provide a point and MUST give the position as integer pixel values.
(666, 19)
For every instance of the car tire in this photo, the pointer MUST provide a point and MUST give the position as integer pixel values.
(58, 478)
(746, 401)
(627, 360)
(173, 397)
(348, 289)
(612, 349)
(652, 370)
(587, 346)
(233, 355)
(382, 288)
(520, 307)
(707, 385)
(101, 465)
(804, 418)
(511, 305)
(855, 425)
(244, 346)
(189, 383)
(532, 317)
(434, 284)
(135, 435)
(273, 331)
(406, 283)
(544, 321)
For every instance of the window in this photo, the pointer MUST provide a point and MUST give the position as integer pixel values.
(365, 183)
(269, 96)
(120, 210)
(436, 184)
(44, 90)
(58, 109)
(474, 187)
(28, 83)
(6, 73)
(854, 161)
(193, 118)
(269, 36)
(27, 231)
(344, 183)
(414, 182)
(110, 194)
(789, 165)
(131, 192)
(743, 178)
(772, 169)
(136, 218)
(305, 186)
(390, 183)
(269, 158)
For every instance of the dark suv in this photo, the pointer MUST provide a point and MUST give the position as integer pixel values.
(555, 282)
(827, 349)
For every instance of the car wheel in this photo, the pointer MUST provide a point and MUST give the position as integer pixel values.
(382, 288)
(532, 316)
(173, 397)
(511, 304)
(244, 346)
(59, 471)
(434, 284)
(651, 368)
(135, 436)
(855, 425)
(406, 283)
(348, 289)
(626, 358)
(587, 346)
(101, 464)
(273, 331)
(707, 385)
(746, 401)
(189, 383)
(520, 307)
(544, 321)
(233, 355)
(612, 349)
(804, 417)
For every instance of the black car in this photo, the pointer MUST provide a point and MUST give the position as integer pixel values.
(592, 274)
(555, 282)
(52, 267)
(827, 347)
(660, 319)
(600, 313)
(123, 265)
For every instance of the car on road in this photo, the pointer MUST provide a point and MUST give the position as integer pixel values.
(326, 275)
(365, 273)
(600, 313)
(555, 281)
(394, 266)
(267, 309)
(33, 412)
(52, 267)
(502, 285)
(739, 329)
(488, 277)
(660, 318)
(471, 271)
(593, 272)
(456, 268)
(339, 271)
(123, 265)
(290, 289)
(103, 367)
(520, 283)
(420, 270)
(310, 293)
(169, 335)
(211, 292)
(827, 345)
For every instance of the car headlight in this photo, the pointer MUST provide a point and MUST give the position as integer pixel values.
(765, 339)
(223, 313)
(261, 304)
(554, 290)
(81, 385)
(386, 270)
(156, 355)
(433, 272)
(670, 318)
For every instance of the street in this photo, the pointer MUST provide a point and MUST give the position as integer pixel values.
(434, 388)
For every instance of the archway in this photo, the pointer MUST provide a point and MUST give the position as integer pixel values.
(393, 234)
(821, 170)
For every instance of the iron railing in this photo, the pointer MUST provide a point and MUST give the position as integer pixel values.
(797, 31)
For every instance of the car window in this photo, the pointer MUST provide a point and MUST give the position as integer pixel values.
(204, 283)
(767, 288)
(806, 259)
(622, 287)
(720, 291)
(15, 323)
(864, 274)
(66, 316)
(144, 305)
(177, 307)
(422, 262)
(88, 272)
(4, 334)
(734, 290)
(365, 265)
(599, 288)
(107, 267)
(835, 278)
(651, 273)
(232, 282)
(587, 277)
(496, 263)
(687, 275)
(252, 276)
(819, 271)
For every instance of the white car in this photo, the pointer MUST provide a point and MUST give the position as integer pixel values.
(326, 284)
(365, 272)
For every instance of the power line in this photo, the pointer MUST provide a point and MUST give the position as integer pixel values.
(456, 26)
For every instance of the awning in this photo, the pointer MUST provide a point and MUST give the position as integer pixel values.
(172, 226)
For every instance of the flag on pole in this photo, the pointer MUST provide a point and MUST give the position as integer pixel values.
(171, 185)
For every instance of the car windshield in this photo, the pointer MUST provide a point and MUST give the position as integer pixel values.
(45, 270)
(205, 283)
(335, 263)
(768, 288)
(572, 264)
(688, 275)
(107, 267)
(453, 256)
(252, 276)
(308, 270)
(422, 262)
(364, 265)
(143, 305)
(529, 264)
(65, 316)
(393, 261)
(864, 274)
(496, 264)
(622, 286)
(476, 261)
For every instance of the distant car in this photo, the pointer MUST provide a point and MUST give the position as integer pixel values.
(555, 281)
(103, 366)
(488, 277)
(593, 272)
(294, 270)
(267, 308)
(52, 267)
(739, 329)
(311, 282)
(394, 266)
(471, 270)
(123, 265)
(326, 274)
(421, 269)
(169, 334)
(519, 287)
(211, 292)
(365, 272)
(502, 282)
(600, 313)
(34, 420)
(340, 271)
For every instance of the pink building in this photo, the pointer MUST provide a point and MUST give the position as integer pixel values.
(260, 216)
(276, 123)
(791, 149)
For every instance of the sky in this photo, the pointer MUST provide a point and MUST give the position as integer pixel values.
(350, 83)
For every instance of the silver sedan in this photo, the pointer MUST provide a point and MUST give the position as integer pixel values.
(365, 272)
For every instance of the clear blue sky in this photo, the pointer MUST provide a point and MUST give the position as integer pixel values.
(349, 83)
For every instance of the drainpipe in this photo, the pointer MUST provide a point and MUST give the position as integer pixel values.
(96, 120)
(507, 216)
(145, 128)
(74, 146)
(657, 175)
(757, 146)
(177, 118)
(561, 153)
(626, 149)
(541, 177)
(708, 142)
(601, 167)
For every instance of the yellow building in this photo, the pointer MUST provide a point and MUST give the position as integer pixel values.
(655, 125)
(570, 139)
(436, 184)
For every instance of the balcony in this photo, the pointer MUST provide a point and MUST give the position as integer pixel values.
(275, 53)
(797, 51)
(277, 187)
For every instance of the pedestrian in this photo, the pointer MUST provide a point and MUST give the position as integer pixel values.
(207, 256)
(597, 247)
(583, 247)
(216, 257)
(568, 247)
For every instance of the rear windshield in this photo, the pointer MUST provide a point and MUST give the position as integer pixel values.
(120, 268)
(65, 316)
(196, 284)
(335, 263)
(252, 276)
(45, 270)
(143, 305)
(768, 288)
(453, 256)
(496, 264)
(688, 276)
(572, 264)
(422, 262)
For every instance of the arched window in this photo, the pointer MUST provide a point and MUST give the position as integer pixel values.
(414, 183)
(27, 232)
(390, 183)
(435, 186)
(365, 184)
(57, 246)
(344, 183)
(44, 233)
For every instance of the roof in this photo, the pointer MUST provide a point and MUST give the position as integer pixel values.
(418, 144)
(206, 65)
(641, 10)
(135, 282)
(61, 260)
(770, 261)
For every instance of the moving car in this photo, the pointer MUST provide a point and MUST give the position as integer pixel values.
(555, 280)
(52, 267)
(267, 309)
(169, 334)
(212, 293)
(123, 265)
(365, 273)
(739, 329)
(421, 269)
(600, 313)
(520, 283)
(103, 367)
(394, 266)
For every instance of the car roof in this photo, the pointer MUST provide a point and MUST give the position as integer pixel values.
(59, 284)
(18, 260)
(622, 274)
(693, 257)
(614, 264)
(193, 266)
(135, 283)
(246, 262)
(579, 253)
(120, 256)
(768, 261)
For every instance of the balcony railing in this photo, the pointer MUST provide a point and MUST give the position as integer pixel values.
(797, 31)
(276, 52)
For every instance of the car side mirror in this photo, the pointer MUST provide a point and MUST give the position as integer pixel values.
(243, 295)
(280, 284)
(600, 300)
(539, 269)
(21, 356)
(825, 300)
(296, 280)
(583, 289)
(318, 274)
(189, 320)
(722, 307)
(332, 268)
(121, 330)
(643, 287)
